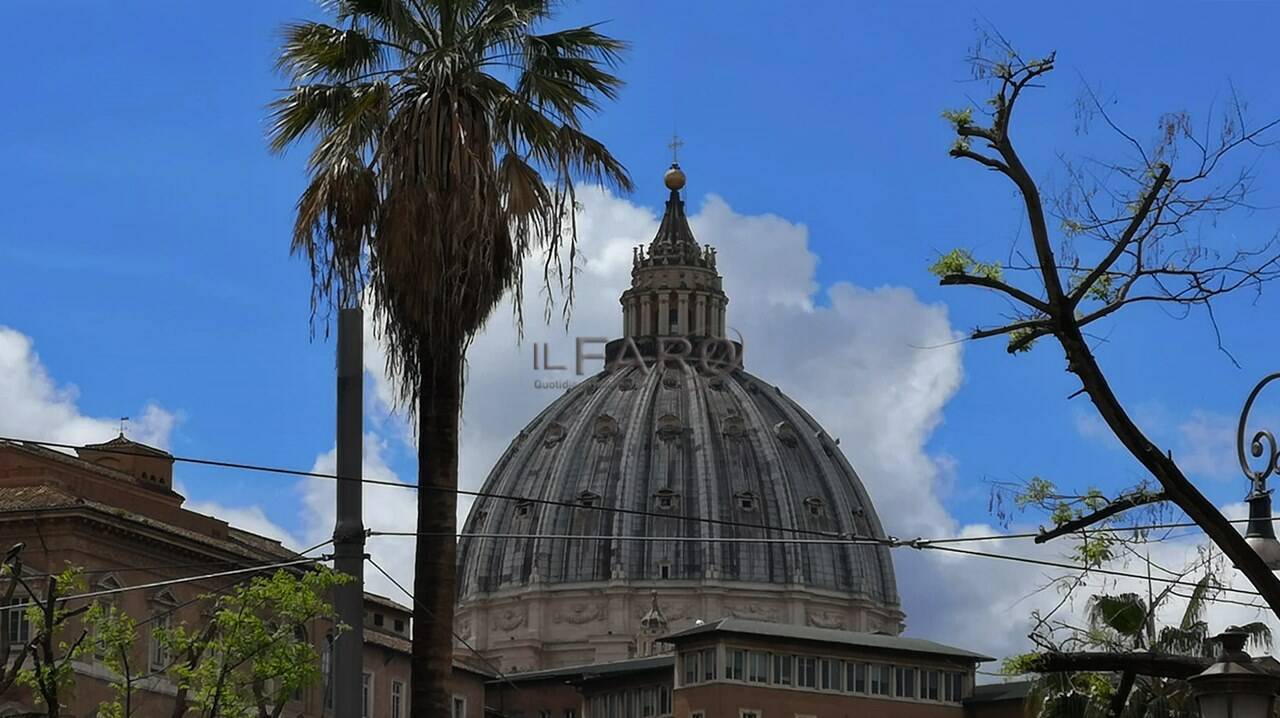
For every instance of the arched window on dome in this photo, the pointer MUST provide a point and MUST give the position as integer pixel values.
(816, 506)
(746, 501)
(523, 509)
(589, 499)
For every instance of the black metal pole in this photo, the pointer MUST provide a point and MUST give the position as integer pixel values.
(348, 530)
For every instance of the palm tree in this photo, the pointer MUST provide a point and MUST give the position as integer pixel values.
(448, 142)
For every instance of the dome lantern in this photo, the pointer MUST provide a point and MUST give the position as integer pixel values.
(675, 288)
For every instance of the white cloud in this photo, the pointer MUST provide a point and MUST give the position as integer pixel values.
(386, 508)
(250, 518)
(35, 407)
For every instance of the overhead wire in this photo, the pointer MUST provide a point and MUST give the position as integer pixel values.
(429, 612)
(595, 507)
(828, 537)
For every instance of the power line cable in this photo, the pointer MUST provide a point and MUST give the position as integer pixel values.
(190, 579)
(1073, 567)
(458, 491)
(891, 543)
(431, 613)
(592, 507)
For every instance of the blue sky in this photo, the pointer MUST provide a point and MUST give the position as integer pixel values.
(145, 228)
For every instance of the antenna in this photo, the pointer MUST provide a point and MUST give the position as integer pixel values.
(124, 424)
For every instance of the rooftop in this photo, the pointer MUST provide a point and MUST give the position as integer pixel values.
(876, 641)
(596, 670)
(997, 692)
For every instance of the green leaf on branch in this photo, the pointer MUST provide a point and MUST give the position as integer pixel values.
(959, 118)
(1018, 342)
(961, 261)
(1038, 491)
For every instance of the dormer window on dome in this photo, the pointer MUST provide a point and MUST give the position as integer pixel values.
(815, 506)
(665, 499)
(589, 499)
(786, 433)
(523, 509)
(746, 501)
(670, 427)
(606, 427)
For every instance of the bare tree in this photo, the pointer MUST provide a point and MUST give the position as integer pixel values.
(1129, 232)
(1134, 231)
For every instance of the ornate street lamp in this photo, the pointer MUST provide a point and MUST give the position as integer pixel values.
(1260, 533)
(1235, 686)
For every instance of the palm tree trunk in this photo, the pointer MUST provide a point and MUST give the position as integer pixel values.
(439, 406)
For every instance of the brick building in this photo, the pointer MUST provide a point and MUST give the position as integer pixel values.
(111, 510)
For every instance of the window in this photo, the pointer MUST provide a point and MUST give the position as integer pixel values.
(648, 702)
(570, 713)
(16, 624)
(666, 499)
(397, 699)
(855, 677)
(697, 714)
(597, 707)
(691, 672)
(782, 670)
(664, 701)
(399, 624)
(709, 664)
(378, 619)
(366, 690)
(736, 667)
(588, 499)
(522, 508)
(815, 506)
(746, 500)
(664, 570)
(541, 714)
(459, 707)
(954, 685)
(881, 675)
(758, 667)
(807, 672)
(904, 683)
(744, 713)
(159, 651)
(829, 674)
(931, 685)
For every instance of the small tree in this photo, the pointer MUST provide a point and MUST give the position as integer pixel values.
(255, 652)
(50, 672)
(114, 634)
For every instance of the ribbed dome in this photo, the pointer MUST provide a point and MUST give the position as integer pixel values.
(677, 444)
(689, 455)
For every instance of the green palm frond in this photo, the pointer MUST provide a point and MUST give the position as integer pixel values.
(1206, 587)
(449, 142)
(313, 50)
(1125, 614)
(1259, 635)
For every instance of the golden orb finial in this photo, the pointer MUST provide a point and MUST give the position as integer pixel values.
(674, 178)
